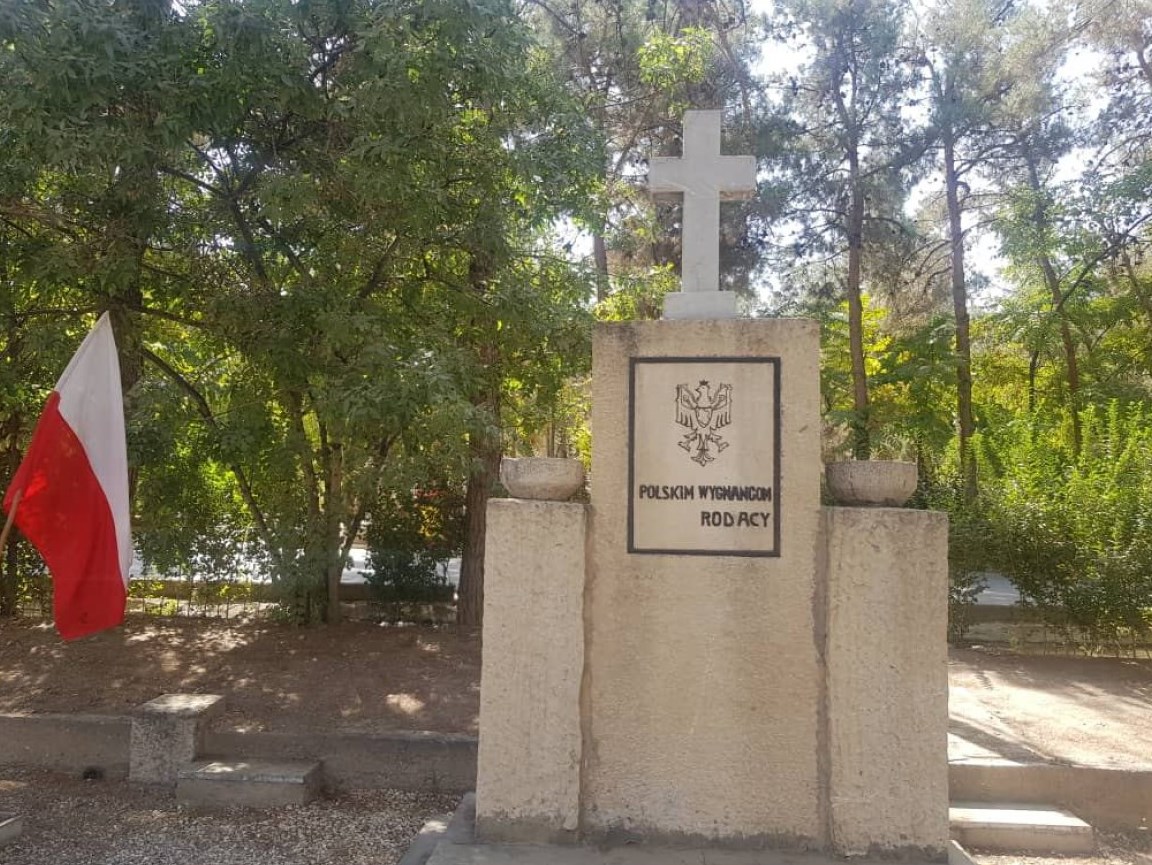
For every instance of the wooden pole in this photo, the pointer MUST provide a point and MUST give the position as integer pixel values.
(11, 518)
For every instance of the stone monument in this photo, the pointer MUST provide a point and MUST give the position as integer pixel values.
(705, 656)
(704, 178)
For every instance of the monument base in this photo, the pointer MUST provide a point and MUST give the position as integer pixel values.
(456, 844)
(700, 304)
(704, 657)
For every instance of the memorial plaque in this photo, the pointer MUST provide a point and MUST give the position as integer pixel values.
(704, 456)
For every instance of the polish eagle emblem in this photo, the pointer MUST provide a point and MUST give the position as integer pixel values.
(704, 411)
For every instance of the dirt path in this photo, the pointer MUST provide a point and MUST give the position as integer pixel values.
(355, 678)
(366, 678)
(1093, 711)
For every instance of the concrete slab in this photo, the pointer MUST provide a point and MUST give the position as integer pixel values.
(458, 847)
(1020, 828)
(957, 855)
(458, 828)
(167, 733)
(247, 784)
(11, 827)
(183, 706)
(1110, 799)
(430, 835)
(540, 854)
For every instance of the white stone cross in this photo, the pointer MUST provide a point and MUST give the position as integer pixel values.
(705, 178)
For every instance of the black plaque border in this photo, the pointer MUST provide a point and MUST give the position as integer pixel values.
(774, 553)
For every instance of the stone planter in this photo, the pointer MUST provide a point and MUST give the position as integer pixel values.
(871, 483)
(546, 478)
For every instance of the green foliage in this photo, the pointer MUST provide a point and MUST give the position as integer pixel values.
(334, 237)
(1073, 532)
(638, 297)
(409, 536)
(668, 61)
(910, 370)
(323, 230)
(969, 557)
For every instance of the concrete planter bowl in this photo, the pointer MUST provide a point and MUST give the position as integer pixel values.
(544, 478)
(871, 483)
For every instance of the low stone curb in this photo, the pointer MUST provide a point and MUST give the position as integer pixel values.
(457, 829)
(1109, 799)
(415, 761)
(957, 855)
(11, 827)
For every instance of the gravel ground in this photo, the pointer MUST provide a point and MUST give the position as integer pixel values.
(72, 822)
(1134, 848)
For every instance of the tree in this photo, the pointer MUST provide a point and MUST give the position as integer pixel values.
(845, 104)
(964, 53)
(350, 216)
(635, 69)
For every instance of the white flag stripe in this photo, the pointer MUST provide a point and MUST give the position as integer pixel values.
(91, 403)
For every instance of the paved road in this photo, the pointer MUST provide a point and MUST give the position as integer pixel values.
(1000, 592)
(353, 574)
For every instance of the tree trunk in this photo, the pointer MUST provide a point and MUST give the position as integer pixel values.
(333, 511)
(8, 582)
(1052, 281)
(843, 88)
(10, 437)
(960, 310)
(470, 606)
(600, 254)
(1141, 288)
(861, 443)
(486, 449)
(8, 569)
(316, 481)
(128, 332)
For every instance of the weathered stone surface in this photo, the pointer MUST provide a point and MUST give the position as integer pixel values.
(701, 304)
(689, 684)
(11, 827)
(541, 478)
(66, 743)
(1025, 829)
(401, 760)
(704, 177)
(248, 784)
(1117, 800)
(633, 854)
(528, 769)
(703, 680)
(167, 733)
(887, 669)
(867, 483)
(173, 706)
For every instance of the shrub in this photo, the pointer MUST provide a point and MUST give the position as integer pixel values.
(1074, 531)
(409, 535)
(968, 554)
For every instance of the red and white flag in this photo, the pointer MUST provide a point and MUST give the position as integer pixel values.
(71, 491)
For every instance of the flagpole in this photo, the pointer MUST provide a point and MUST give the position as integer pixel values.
(11, 517)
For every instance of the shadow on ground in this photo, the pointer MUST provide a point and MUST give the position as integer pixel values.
(1092, 711)
(358, 677)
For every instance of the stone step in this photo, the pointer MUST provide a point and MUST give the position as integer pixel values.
(248, 783)
(11, 826)
(1013, 828)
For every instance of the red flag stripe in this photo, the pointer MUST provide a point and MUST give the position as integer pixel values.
(63, 499)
